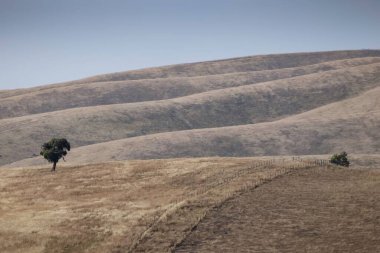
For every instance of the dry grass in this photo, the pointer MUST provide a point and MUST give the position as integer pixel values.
(117, 206)
(163, 205)
(317, 210)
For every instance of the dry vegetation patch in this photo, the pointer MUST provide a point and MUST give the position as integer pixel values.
(317, 210)
(118, 206)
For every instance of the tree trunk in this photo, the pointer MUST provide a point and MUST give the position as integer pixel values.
(54, 164)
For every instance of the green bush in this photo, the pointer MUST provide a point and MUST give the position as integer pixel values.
(340, 159)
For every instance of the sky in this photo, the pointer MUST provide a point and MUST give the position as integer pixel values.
(50, 41)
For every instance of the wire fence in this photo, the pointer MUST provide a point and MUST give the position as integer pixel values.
(275, 167)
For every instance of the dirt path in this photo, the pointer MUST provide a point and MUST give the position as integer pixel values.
(318, 210)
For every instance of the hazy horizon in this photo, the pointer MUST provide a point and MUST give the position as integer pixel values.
(49, 42)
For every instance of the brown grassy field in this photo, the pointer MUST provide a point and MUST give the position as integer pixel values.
(161, 205)
(116, 206)
(312, 210)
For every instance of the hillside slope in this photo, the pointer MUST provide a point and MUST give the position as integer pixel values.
(242, 64)
(215, 101)
(129, 91)
(352, 125)
(241, 105)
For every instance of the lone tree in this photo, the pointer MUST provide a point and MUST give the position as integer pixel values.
(54, 150)
(340, 159)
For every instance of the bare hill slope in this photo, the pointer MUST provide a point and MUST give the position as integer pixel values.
(223, 107)
(60, 97)
(352, 125)
(242, 64)
(219, 102)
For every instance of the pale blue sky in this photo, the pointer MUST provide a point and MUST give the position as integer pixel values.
(48, 41)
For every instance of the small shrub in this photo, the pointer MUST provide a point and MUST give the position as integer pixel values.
(340, 159)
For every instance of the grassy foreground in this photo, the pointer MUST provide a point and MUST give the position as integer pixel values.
(133, 206)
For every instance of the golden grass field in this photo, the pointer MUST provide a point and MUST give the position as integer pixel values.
(189, 205)
(103, 207)
(310, 210)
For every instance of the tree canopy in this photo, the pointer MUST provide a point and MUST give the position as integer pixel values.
(340, 159)
(54, 150)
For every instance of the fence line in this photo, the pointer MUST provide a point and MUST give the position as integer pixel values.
(278, 167)
(286, 164)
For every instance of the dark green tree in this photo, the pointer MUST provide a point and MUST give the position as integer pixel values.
(340, 159)
(54, 150)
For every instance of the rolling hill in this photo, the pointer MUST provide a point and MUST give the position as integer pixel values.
(128, 91)
(259, 105)
(350, 125)
(146, 174)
